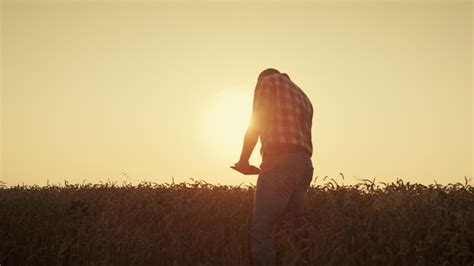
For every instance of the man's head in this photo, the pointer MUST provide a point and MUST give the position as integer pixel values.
(270, 71)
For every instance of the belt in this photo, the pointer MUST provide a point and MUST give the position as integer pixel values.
(272, 149)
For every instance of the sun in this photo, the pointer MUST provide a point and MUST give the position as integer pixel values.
(225, 121)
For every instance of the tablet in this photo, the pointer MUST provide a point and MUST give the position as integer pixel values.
(251, 170)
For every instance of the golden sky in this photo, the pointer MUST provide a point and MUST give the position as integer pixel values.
(91, 90)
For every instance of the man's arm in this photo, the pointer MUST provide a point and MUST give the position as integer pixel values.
(250, 140)
(254, 128)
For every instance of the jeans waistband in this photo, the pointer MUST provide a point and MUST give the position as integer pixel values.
(277, 149)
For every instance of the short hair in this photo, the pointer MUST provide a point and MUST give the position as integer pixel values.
(268, 72)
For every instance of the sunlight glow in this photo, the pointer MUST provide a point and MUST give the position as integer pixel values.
(225, 121)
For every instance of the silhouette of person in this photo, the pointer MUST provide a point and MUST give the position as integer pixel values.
(282, 118)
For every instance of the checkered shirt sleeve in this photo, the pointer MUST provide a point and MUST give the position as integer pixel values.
(282, 113)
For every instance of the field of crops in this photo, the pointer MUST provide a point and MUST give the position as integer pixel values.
(202, 224)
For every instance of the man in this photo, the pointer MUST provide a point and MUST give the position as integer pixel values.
(282, 118)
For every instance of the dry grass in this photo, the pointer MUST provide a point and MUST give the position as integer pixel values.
(201, 224)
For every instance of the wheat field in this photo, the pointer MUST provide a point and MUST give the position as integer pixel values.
(197, 223)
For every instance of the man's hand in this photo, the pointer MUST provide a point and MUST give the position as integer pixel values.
(242, 164)
(245, 168)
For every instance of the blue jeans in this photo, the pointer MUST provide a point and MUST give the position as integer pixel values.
(281, 188)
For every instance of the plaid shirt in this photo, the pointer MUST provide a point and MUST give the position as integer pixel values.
(282, 113)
